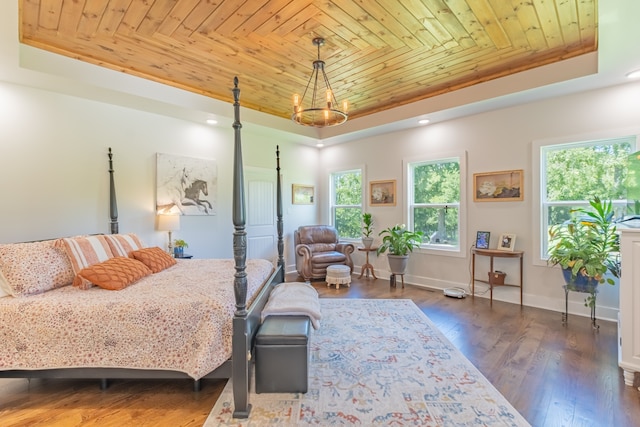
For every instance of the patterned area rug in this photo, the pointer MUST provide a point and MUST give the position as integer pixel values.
(379, 363)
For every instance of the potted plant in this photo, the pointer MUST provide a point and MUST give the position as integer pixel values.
(586, 248)
(178, 247)
(367, 229)
(399, 242)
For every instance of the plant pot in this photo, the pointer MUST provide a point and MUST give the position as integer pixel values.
(398, 263)
(580, 283)
(178, 251)
(367, 242)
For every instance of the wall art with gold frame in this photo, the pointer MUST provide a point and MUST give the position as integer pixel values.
(302, 194)
(501, 186)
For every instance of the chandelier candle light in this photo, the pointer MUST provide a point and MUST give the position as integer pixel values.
(320, 113)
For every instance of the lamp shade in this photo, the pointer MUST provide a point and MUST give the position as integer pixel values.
(168, 222)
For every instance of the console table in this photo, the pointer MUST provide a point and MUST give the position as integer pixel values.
(493, 253)
(367, 267)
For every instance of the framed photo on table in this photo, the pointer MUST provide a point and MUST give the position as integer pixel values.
(482, 239)
(507, 242)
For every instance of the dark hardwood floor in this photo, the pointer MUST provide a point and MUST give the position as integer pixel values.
(554, 375)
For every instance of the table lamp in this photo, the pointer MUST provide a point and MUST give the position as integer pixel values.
(169, 223)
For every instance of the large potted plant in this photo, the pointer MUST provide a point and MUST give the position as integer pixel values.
(399, 242)
(586, 247)
(367, 229)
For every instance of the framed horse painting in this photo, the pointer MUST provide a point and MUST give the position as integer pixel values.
(185, 185)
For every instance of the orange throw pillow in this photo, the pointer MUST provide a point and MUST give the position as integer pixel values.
(113, 274)
(154, 258)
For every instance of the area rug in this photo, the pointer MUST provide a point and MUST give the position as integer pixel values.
(378, 362)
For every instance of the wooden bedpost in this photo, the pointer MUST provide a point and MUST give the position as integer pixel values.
(241, 347)
(113, 204)
(239, 211)
(279, 214)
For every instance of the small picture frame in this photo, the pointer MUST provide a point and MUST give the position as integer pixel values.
(502, 186)
(382, 193)
(507, 242)
(302, 194)
(482, 239)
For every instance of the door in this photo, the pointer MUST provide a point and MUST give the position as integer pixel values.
(260, 190)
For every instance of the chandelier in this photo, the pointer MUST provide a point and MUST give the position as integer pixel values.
(322, 111)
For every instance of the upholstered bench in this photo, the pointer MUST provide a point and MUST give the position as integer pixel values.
(282, 354)
(338, 275)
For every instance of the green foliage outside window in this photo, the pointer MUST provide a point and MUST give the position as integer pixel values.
(581, 172)
(436, 198)
(576, 173)
(441, 223)
(347, 203)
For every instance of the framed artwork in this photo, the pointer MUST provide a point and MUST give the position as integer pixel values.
(382, 193)
(482, 239)
(302, 194)
(185, 185)
(502, 186)
(507, 242)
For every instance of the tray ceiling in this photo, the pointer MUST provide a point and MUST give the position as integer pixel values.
(379, 54)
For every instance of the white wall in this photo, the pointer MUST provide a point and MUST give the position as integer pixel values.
(494, 141)
(53, 166)
(54, 170)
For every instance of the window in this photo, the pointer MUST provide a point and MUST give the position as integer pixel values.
(434, 201)
(346, 203)
(571, 174)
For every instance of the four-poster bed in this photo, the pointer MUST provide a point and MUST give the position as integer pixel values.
(164, 306)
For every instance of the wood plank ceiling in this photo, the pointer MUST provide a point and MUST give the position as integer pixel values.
(379, 54)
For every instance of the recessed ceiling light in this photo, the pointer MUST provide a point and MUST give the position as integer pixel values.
(319, 145)
(634, 74)
(423, 121)
(212, 121)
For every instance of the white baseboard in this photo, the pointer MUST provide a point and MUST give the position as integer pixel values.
(506, 294)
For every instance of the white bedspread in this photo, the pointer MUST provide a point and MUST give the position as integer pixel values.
(178, 319)
(294, 299)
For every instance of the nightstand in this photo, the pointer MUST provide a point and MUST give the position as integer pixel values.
(184, 256)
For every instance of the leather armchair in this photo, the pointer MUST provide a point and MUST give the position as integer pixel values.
(317, 247)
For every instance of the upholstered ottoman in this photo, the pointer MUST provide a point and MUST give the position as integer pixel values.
(282, 355)
(338, 275)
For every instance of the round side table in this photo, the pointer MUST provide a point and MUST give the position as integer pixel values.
(367, 267)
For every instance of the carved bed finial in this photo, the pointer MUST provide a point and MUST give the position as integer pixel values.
(113, 204)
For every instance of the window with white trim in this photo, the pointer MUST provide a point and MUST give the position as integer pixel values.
(346, 203)
(434, 188)
(573, 173)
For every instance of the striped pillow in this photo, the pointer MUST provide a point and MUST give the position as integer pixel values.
(85, 251)
(123, 244)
